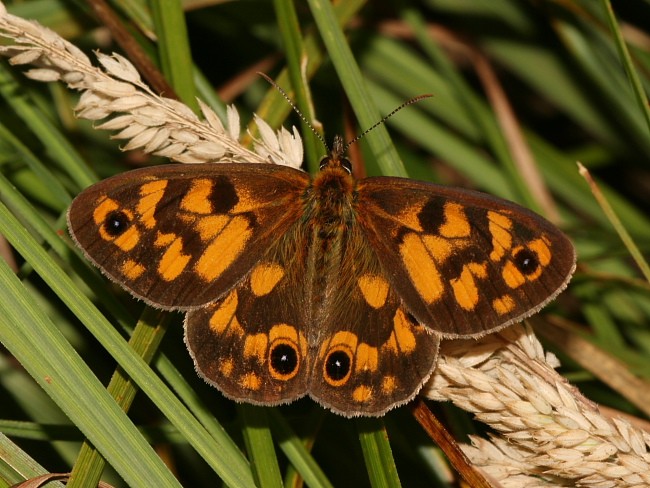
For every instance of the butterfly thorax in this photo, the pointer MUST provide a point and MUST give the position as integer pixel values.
(330, 200)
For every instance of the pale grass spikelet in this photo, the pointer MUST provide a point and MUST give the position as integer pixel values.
(548, 433)
(116, 95)
(281, 148)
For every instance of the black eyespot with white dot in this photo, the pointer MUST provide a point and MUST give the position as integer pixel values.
(337, 366)
(116, 223)
(526, 261)
(283, 360)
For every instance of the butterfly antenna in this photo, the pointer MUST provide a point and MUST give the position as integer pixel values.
(386, 117)
(294, 107)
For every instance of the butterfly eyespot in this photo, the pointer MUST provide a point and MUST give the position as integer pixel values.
(526, 261)
(337, 367)
(116, 223)
(284, 361)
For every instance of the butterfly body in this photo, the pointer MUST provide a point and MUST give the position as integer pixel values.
(331, 287)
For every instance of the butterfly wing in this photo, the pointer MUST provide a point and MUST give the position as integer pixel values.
(306, 321)
(464, 263)
(252, 344)
(370, 354)
(180, 236)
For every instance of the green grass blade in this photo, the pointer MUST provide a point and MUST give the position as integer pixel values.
(296, 55)
(16, 466)
(39, 346)
(174, 49)
(292, 447)
(273, 108)
(57, 194)
(639, 92)
(259, 445)
(614, 219)
(139, 12)
(41, 126)
(228, 462)
(145, 340)
(377, 453)
(354, 86)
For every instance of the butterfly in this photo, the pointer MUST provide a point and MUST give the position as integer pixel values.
(331, 287)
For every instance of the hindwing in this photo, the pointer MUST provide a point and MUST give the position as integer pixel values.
(253, 343)
(370, 353)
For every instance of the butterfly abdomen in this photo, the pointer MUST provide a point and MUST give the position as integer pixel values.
(327, 218)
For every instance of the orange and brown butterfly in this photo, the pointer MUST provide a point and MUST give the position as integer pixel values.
(331, 287)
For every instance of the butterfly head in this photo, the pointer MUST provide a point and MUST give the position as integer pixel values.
(336, 158)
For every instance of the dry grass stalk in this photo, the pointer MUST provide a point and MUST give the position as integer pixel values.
(548, 433)
(153, 124)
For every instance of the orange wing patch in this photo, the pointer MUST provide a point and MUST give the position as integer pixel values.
(402, 339)
(265, 277)
(255, 346)
(500, 228)
(173, 261)
(455, 223)
(224, 316)
(503, 305)
(132, 269)
(224, 249)
(366, 358)
(421, 267)
(150, 195)
(197, 199)
(466, 290)
(374, 289)
(210, 227)
(250, 381)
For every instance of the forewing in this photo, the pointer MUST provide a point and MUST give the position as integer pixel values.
(370, 354)
(464, 263)
(180, 236)
(252, 344)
